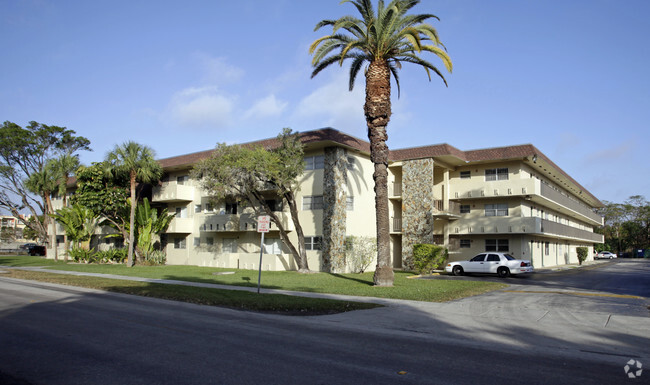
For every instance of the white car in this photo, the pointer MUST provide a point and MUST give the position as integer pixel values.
(605, 255)
(491, 262)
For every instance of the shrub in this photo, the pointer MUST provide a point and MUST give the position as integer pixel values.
(427, 257)
(360, 252)
(81, 255)
(111, 256)
(582, 254)
(155, 258)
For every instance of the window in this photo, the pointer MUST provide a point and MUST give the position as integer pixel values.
(181, 212)
(209, 207)
(315, 162)
(314, 202)
(231, 208)
(497, 245)
(313, 243)
(209, 241)
(465, 174)
(229, 245)
(197, 241)
(274, 204)
(496, 210)
(465, 243)
(547, 249)
(496, 174)
(493, 258)
(478, 258)
(349, 204)
(197, 208)
(273, 246)
(351, 163)
(179, 243)
(182, 179)
(465, 209)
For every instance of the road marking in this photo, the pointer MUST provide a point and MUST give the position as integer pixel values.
(575, 293)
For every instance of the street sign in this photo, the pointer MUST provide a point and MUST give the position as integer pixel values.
(263, 223)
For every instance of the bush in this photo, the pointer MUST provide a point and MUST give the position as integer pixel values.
(582, 254)
(81, 255)
(360, 252)
(155, 258)
(427, 257)
(111, 256)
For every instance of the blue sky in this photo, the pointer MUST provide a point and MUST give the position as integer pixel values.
(568, 76)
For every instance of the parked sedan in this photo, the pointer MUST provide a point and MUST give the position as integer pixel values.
(605, 255)
(491, 262)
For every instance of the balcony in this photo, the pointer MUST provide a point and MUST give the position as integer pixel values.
(172, 192)
(451, 211)
(519, 225)
(396, 225)
(532, 190)
(248, 222)
(395, 190)
(220, 223)
(181, 226)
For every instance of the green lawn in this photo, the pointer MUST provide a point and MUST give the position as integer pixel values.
(432, 290)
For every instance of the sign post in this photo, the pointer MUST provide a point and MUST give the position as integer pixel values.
(263, 226)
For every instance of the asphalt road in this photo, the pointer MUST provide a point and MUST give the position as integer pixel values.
(51, 334)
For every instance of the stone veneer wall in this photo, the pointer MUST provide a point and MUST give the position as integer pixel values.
(334, 209)
(417, 206)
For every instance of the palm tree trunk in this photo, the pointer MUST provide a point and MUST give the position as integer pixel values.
(129, 261)
(378, 110)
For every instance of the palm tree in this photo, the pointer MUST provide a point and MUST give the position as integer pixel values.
(43, 183)
(149, 222)
(139, 163)
(79, 223)
(63, 166)
(384, 39)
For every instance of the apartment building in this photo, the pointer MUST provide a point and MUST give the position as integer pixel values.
(511, 199)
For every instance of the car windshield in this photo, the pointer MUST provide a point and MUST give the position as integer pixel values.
(509, 257)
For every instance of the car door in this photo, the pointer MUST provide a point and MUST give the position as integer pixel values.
(476, 264)
(492, 263)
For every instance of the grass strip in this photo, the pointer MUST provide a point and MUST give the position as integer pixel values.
(234, 299)
(430, 290)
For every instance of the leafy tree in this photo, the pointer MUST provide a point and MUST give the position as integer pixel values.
(251, 174)
(139, 163)
(384, 39)
(626, 225)
(150, 222)
(43, 183)
(79, 223)
(24, 152)
(104, 195)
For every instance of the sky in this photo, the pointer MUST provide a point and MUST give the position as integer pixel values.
(570, 77)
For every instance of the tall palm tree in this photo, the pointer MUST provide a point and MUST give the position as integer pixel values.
(139, 163)
(43, 183)
(384, 40)
(63, 167)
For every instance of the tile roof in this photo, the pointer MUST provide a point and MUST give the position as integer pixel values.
(325, 135)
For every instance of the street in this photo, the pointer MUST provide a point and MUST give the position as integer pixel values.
(528, 333)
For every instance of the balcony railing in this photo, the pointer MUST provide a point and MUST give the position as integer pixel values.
(396, 225)
(172, 192)
(554, 195)
(395, 189)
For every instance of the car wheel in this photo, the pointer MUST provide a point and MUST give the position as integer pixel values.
(503, 272)
(611, 257)
(457, 270)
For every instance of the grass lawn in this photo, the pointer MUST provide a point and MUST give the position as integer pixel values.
(349, 284)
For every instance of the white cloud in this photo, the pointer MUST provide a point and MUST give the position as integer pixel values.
(201, 107)
(269, 106)
(334, 105)
(215, 70)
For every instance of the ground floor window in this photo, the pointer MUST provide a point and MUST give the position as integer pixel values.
(179, 243)
(272, 246)
(547, 248)
(229, 245)
(497, 245)
(465, 243)
(313, 243)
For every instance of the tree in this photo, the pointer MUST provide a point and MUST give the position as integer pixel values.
(384, 39)
(149, 222)
(62, 167)
(79, 223)
(23, 152)
(253, 175)
(139, 163)
(43, 183)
